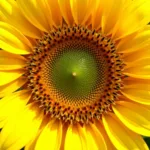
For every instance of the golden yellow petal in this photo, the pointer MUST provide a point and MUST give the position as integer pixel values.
(97, 15)
(139, 68)
(121, 137)
(55, 12)
(134, 16)
(20, 129)
(9, 76)
(111, 14)
(141, 62)
(13, 104)
(31, 144)
(65, 9)
(2, 17)
(133, 83)
(74, 134)
(137, 90)
(135, 116)
(34, 13)
(135, 41)
(106, 15)
(139, 72)
(9, 61)
(101, 129)
(44, 4)
(94, 138)
(12, 15)
(2, 123)
(13, 41)
(50, 137)
(11, 87)
(81, 10)
(140, 53)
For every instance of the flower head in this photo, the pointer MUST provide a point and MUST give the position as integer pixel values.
(75, 74)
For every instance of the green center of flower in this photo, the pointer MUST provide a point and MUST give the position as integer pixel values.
(74, 74)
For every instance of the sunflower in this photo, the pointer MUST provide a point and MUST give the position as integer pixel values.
(74, 74)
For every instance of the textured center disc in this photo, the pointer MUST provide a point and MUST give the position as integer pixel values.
(74, 74)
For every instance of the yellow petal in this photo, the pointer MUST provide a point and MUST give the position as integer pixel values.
(137, 94)
(135, 116)
(9, 76)
(2, 17)
(138, 63)
(12, 104)
(95, 139)
(20, 129)
(75, 138)
(133, 42)
(11, 87)
(101, 129)
(3, 122)
(31, 144)
(142, 72)
(134, 16)
(14, 17)
(34, 13)
(66, 11)
(50, 137)
(9, 61)
(47, 12)
(55, 12)
(110, 11)
(141, 53)
(111, 14)
(139, 69)
(139, 84)
(81, 10)
(97, 13)
(121, 137)
(13, 41)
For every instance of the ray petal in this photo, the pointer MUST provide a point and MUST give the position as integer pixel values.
(121, 137)
(101, 129)
(139, 68)
(137, 40)
(50, 137)
(13, 41)
(13, 104)
(9, 61)
(65, 9)
(13, 16)
(11, 87)
(55, 12)
(34, 13)
(81, 10)
(135, 116)
(134, 17)
(141, 53)
(95, 139)
(9, 76)
(77, 135)
(20, 129)
(106, 15)
(137, 90)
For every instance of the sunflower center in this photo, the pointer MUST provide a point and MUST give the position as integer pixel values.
(75, 74)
